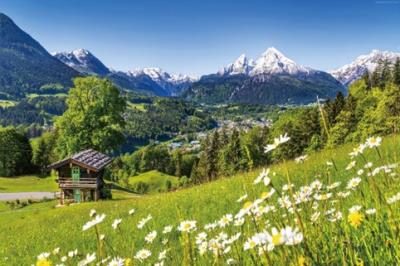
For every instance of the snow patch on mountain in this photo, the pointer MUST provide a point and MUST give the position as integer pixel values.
(83, 61)
(270, 62)
(354, 70)
(173, 84)
(242, 65)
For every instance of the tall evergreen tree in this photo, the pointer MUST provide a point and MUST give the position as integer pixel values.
(385, 74)
(178, 164)
(367, 79)
(212, 156)
(377, 75)
(396, 72)
(233, 157)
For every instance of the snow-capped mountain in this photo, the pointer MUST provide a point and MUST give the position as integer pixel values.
(271, 79)
(173, 84)
(152, 80)
(273, 61)
(242, 65)
(353, 71)
(83, 61)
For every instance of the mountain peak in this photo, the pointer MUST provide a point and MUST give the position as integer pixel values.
(272, 51)
(83, 61)
(273, 61)
(81, 52)
(242, 65)
(6, 20)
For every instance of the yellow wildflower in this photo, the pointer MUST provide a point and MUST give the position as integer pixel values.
(355, 218)
(43, 262)
(128, 262)
(301, 261)
(247, 205)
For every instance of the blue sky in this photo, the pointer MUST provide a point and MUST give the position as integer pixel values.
(197, 37)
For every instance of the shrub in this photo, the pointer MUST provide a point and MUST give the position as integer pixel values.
(141, 187)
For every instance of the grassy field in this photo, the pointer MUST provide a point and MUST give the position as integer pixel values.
(155, 180)
(7, 103)
(27, 184)
(330, 227)
(34, 95)
(137, 106)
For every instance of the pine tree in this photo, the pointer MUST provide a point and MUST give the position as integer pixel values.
(212, 156)
(396, 72)
(385, 74)
(233, 157)
(367, 79)
(178, 164)
(377, 75)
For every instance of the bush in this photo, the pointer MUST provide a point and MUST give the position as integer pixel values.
(141, 187)
(184, 181)
(105, 193)
(168, 185)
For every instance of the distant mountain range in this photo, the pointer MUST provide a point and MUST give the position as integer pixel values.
(353, 71)
(25, 66)
(153, 81)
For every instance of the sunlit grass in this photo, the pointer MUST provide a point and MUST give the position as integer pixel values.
(353, 240)
(27, 184)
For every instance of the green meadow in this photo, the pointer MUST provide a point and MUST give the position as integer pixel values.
(344, 232)
(27, 183)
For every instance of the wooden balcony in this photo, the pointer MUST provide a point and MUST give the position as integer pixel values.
(66, 183)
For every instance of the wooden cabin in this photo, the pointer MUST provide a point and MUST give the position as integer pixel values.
(80, 177)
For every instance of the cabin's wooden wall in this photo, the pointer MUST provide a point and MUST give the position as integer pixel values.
(65, 172)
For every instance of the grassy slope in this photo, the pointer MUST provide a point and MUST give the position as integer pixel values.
(27, 183)
(155, 179)
(27, 233)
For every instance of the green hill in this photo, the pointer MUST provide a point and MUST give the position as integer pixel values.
(154, 181)
(335, 230)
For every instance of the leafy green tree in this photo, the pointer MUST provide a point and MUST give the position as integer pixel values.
(94, 118)
(43, 152)
(155, 157)
(15, 153)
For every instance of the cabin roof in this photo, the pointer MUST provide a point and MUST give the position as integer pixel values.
(89, 159)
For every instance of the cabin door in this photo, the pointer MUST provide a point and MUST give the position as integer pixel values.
(76, 176)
